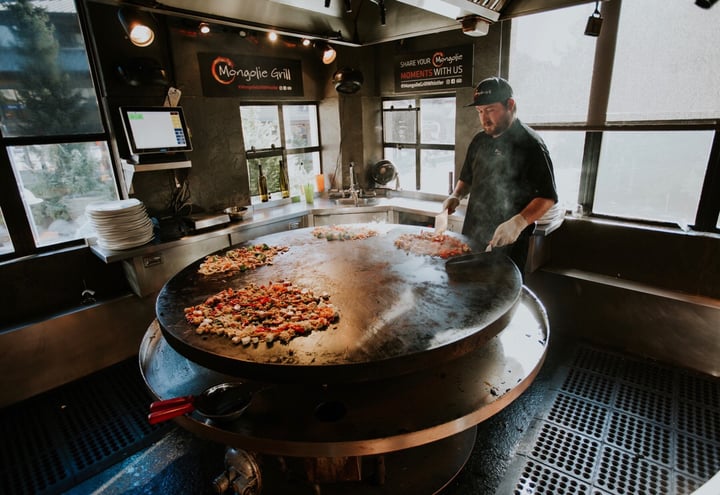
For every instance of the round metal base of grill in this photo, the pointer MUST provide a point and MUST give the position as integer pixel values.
(385, 415)
(426, 469)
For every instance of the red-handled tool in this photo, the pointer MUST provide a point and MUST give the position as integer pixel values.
(164, 410)
(223, 402)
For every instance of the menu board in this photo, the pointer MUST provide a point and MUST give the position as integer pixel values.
(225, 74)
(437, 69)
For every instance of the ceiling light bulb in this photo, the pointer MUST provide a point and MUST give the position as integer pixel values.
(272, 36)
(329, 55)
(141, 35)
(138, 26)
(204, 28)
(306, 42)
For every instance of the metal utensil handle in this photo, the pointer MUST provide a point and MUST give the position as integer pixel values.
(167, 403)
(161, 415)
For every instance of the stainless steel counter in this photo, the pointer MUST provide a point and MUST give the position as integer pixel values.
(149, 266)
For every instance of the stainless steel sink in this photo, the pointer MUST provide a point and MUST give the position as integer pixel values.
(352, 201)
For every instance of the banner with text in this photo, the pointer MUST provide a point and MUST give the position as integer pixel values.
(243, 75)
(439, 69)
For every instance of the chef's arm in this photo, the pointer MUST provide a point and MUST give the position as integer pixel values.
(536, 208)
(508, 231)
(461, 190)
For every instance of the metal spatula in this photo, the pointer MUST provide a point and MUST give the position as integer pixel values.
(441, 223)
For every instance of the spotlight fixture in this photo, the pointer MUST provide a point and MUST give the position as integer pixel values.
(306, 42)
(204, 28)
(138, 26)
(594, 22)
(328, 54)
(327, 4)
(272, 36)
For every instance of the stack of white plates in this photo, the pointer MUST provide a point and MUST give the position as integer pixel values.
(121, 224)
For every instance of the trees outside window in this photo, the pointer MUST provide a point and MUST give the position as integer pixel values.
(281, 132)
(54, 144)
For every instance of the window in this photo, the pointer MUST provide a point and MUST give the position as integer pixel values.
(419, 138)
(656, 176)
(662, 74)
(649, 160)
(551, 64)
(296, 142)
(6, 245)
(566, 153)
(50, 127)
(57, 182)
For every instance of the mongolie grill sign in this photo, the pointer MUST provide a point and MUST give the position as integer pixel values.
(438, 69)
(243, 75)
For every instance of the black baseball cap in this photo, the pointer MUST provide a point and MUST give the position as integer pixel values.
(491, 90)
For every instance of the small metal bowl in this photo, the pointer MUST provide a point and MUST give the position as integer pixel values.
(236, 212)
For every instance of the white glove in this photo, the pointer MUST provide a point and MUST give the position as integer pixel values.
(508, 232)
(450, 204)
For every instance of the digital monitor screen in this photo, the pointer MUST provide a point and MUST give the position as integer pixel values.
(155, 130)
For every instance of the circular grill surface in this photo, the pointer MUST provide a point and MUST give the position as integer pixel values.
(399, 312)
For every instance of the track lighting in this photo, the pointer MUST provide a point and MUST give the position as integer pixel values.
(594, 22)
(272, 36)
(138, 25)
(328, 54)
(204, 28)
(306, 42)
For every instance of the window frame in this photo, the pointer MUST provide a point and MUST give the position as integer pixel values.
(707, 217)
(16, 219)
(418, 146)
(281, 151)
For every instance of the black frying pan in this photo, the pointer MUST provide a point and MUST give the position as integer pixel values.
(223, 402)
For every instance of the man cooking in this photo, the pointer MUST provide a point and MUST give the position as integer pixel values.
(507, 173)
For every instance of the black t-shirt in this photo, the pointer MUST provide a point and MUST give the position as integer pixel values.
(504, 173)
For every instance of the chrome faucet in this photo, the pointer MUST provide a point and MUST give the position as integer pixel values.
(354, 192)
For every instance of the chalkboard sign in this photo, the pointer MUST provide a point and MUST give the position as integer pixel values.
(249, 76)
(439, 69)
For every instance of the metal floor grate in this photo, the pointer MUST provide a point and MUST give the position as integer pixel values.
(53, 441)
(620, 426)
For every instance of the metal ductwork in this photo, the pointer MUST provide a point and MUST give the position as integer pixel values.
(488, 10)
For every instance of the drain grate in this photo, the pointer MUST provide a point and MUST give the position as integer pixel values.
(537, 479)
(579, 415)
(645, 439)
(589, 386)
(567, 451)
(622, 472)
(621, 426)
(55, 440)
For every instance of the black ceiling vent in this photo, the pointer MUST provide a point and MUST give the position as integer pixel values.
(347, 80)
